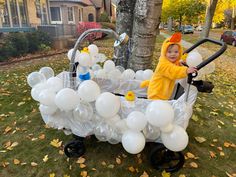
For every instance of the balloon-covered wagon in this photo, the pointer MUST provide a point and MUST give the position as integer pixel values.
(108, 102)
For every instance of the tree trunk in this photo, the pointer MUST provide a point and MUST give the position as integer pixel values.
(170, 24)
(209, 16)
(233, 18)
(145, 28)
(124, 24)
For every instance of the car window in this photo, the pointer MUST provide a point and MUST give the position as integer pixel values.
(234, 33)
(228, 33)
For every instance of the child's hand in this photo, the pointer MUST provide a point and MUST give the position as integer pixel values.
(191, 70)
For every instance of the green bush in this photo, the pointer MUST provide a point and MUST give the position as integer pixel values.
(108, 25)
(104, 17)
(7, 50)
(19, 42)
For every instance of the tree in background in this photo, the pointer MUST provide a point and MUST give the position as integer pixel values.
(210, 10)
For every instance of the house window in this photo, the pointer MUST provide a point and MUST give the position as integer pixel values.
(70, 14)
(23, 12)
(90, 18)
(80, 15)
(44, 19)
(56, 15)
(4, 15)
(14, 13)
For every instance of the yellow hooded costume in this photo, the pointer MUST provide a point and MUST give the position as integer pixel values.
(162, 82)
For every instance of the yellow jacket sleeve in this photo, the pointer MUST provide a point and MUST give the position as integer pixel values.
(144, 84)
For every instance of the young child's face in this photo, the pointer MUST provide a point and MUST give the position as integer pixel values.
(172, 53)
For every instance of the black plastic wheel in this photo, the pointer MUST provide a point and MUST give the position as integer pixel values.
(163, 159)
(74, 148)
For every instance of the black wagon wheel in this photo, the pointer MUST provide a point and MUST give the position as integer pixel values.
(163, 159)
(74, 148)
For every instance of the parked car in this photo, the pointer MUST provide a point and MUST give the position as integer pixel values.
(199, 28)
(229, 37)
(186, 29)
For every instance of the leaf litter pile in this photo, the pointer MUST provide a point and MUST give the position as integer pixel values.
(28, 147)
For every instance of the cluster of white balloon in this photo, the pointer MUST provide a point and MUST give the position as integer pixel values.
(102, 110)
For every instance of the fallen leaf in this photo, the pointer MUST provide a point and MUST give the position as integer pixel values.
(7, 129)
(84, 173)
(33, 164)
(14, 144)
(220, 148)
(182, 175)
(66, 175)
(144, 174)
(61, 152)
(16, 161)
(194, 165)
(222, 153)
(200, 139)
(80, 160)
(190, 155)
(226, 144)
(111, 166)
(21, 103)
(131, 169)
(195, 118)
(212, 154)
(94, 169)
(5, 164)
(56, 143)
(45, 159)
(104, 163)
(118, 161)
(52, 175)
(23, 163)
(42, 136)
(165, 174)
(229, 175)
(221, 122)
(82, 165)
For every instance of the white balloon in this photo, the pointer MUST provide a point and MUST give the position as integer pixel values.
(133, 142)
(47, 97)
(55, 83)
(89, 90)
(47, 110)
(83, 112)
(128, 74)
(147, 74)
(168, 128)
(113, 120)
(82, 69)
(159, 113)
(35, 91)
(109, 65)
(100, 57)
(121, 68)
(136, 121)
(47, 72)
(35, 78)
(151, 132)
(114, 74)
(121, 125)
(101, 74)
(69, 55)
(107, 104)
(176, 140)
(91, 74)
(193, 59)
(67, 99)
(84, 59)
(96, 67)
(93, 49)
(139, 75)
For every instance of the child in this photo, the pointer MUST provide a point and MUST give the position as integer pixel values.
(168, 70)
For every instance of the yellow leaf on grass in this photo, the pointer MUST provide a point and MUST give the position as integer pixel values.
(200, 139)
(190, 155)
(16, 161)
(118, 161)
(221, 122)
(194, 165)
(212, 154)
(45, 159)
(33, 164)
(80, 160)
(144, 174)
(83, 173)
(131, 169)
(14, 144)
(182, 175)
(220, 148)
(7, 129)
(165, 174)
(21, 103)
(66, 175)
(104, 163)
(82, 165)
(195, 118)
(111, 166)
(226, 144)
(222, 153)
(56, 143)
(52, 175)
(5, 164)
(42, 136)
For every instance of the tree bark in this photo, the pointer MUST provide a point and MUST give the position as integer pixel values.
(145, 28)
(233, 18)
(170, 24)
(209, 16)
(124, 24)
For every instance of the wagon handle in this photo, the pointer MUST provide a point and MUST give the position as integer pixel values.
(211, 58)
(120, 39)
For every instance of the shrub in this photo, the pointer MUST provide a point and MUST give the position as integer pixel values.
(104, 17)
(108, 25)
(7, 50)
(19, 42)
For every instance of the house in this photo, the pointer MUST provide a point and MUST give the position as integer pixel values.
(22, 15)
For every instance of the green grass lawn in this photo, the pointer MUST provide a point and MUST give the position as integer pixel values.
(25, 149)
